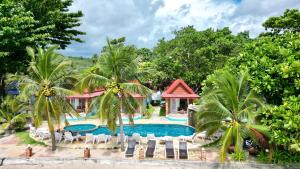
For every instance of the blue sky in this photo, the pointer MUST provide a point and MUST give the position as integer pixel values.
(144, 22)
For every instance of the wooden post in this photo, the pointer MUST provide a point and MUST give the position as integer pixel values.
(28, 151)
(86, 153)
(141, 154)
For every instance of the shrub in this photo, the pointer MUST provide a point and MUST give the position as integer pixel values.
(149, 112)
(239, 156)
(280, 156)
(162, 111)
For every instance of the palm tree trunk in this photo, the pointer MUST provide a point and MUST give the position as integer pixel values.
(121, 133)
(121, 127)
(51, 128)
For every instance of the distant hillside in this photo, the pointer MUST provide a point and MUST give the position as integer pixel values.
(81, 63)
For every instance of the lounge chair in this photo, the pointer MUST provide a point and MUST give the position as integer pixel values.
(70, 137)
(58, 137)
(32, 131)
(183, 150)
(119, 138)
(169, 148)
(130, 148)
(151, 146)
(136, 137)
(102, 138)
(150, 137)
(189, 138)
(89, 138)
(43, 133)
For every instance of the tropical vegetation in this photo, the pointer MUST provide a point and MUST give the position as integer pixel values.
(115, 71)
(228, 105)
(46, 87)
(249, 87)
(13, 114)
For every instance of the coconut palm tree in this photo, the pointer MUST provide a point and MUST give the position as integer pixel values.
(12, 114)
(230, 105)
(45, 87)
(115, 68)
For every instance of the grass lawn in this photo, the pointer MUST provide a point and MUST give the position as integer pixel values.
(26, 139)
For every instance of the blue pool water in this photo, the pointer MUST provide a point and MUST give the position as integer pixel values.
(159, 130)
(81, 128)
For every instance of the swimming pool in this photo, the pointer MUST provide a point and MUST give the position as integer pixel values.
(159, 130)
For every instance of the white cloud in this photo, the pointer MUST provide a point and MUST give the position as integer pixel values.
(143, 22)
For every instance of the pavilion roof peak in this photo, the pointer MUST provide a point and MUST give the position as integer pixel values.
(179, 89)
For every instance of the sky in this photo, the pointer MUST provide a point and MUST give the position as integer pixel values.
(144, 22)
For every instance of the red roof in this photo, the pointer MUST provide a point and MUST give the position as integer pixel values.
(179, 89)
(97, 92)
(86, 95)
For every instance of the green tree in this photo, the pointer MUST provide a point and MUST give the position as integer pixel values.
(57, 14)
(229, 105)
(192, 55)
(49, 73)
(116, 67)
(289, 21)
(274, 66)
(12, 114)
(284, 122)
(18, 29)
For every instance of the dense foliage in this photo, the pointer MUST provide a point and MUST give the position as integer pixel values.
(284, 123)
(191, 55)
(229, 105)
(13, 114)
(289, 21)
(273, 62)
(274, 66)
(35, 23)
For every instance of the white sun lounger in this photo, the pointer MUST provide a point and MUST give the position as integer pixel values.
(58, 137)
(136, 137)
(70, 137)
(101, 138)
(150, 137)
(119, 138)
(89, 138)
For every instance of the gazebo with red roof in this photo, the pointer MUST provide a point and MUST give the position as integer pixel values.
(178, 96)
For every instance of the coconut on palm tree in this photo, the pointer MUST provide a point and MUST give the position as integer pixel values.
(45, 85)
(116, 67)
(230, 105)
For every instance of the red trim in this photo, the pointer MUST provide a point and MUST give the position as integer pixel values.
(169, 92)
(85, 95)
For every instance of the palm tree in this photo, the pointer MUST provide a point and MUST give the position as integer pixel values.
(45, 87)
(12, 112)
(115, 68)
(230, 105)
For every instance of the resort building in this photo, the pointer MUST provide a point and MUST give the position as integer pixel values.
(177, 97)
(82, 102)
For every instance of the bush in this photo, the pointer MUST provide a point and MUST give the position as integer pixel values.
(280, 156)
(149, 112)
(162, 111)
(239, 156)
(284, 122)
(19, 125)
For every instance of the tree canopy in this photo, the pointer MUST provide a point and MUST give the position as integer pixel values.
(192, 55)
(35, 23)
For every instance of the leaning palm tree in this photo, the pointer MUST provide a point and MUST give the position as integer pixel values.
(230, 105)
(45, 85)
(115, 68)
